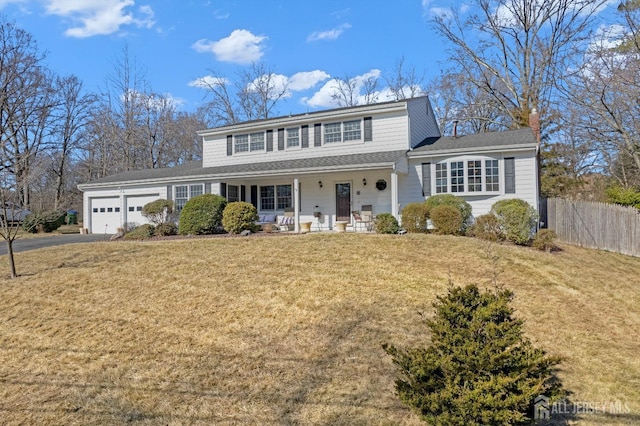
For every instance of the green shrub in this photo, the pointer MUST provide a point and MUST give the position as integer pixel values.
(165, 229)
(142, 232)
(158, 211)
(202, 215)
(446, 219)
(414, 217)
(479, 368)
(49, 221)
(451, 200)
(517, 219)
(624, 196)
(385, 223)
(545, 239)
(239, 216)
(487, 227)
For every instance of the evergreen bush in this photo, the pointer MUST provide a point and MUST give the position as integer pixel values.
(49, 221)
(451, 200)
(165, 229)
(240, 216)
(202, 215)
(158, 211)
(545, 239)
(385, 223)
(479, 369)
(517, 218)
(487, 227)
(141, 232)
(414, 217)
(447, 219)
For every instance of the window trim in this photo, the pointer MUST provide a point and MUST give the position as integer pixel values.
(276, 198)
(289, 138)
(178, 206)
(463, 181)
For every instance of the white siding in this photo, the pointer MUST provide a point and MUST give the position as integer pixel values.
(526, 181)
(390, 132)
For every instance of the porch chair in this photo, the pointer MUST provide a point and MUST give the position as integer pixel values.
(288, 220)
(359, 219)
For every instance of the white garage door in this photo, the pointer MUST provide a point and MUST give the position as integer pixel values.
(105, 215)
(134, 205)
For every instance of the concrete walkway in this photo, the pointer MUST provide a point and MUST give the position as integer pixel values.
(50, 241)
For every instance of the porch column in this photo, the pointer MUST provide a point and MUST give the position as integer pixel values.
(394, 195)
(296, 204)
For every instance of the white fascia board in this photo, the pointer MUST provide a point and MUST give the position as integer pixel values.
(449, 152)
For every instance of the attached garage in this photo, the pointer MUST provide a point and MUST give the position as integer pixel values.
(105, 215)
(134, 205)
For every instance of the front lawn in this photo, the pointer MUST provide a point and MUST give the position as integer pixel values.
(286, 329)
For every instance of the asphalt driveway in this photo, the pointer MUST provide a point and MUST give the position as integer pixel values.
(51, 240)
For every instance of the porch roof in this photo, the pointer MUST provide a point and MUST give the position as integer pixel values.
(194, 170)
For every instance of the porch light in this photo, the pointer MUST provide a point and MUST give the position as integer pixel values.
(320, 183)
(364, 182)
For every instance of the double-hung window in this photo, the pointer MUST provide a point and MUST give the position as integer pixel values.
(275, 197)
(491, 173)
(441, 178)
(241, 143)
(333, 132)
(352, 130)
(474, 175)
(457, 176)
(183, 193)
(293, 137)
(257, 141)
(232, 193)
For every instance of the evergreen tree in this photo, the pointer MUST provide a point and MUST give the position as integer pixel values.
(479, 369)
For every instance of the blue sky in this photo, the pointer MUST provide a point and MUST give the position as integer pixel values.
(177, 43)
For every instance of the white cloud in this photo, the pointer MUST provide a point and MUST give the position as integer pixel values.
(241, 47)
(306, 80)
(208, 81)
(323, 97)
(328, 35)
(99, 17)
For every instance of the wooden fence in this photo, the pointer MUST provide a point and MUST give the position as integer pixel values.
(594, 225)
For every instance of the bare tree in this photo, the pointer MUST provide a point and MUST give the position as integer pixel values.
(350, 91)
(518, 48)
(404, 82)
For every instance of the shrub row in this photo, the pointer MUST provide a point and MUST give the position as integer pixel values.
(49, 221)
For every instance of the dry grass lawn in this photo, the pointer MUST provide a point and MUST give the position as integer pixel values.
(285, 329)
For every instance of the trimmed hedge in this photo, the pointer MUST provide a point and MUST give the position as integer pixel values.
(158, 211)
(487, 227)
(240, 216)
(451, 200)
(385, 223)
(142, 232)
(165, 229)
(447, 219)
(414, 217)
(49, 220)
(517, 218)
(202, 215)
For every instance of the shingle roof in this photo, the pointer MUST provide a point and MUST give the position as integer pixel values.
(194, 168)
(520, 137)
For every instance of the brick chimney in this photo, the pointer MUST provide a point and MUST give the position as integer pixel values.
(534, 123)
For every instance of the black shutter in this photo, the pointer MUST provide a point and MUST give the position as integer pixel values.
(243, 193)
(254, 195)
(280, 139)
(305, 136)
(223, 189)
(426, 179)
(269, 140)
(229, 145)
(207, 188)
(317, 134)
(169, 192)
(368, 130)
(510, 175)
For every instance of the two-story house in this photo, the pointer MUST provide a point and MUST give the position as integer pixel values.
(330, 163)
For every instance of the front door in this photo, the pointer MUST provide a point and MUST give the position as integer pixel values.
(343, 202)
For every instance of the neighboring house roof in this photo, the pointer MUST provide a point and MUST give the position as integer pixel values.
(194, 169)
(521, 138)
